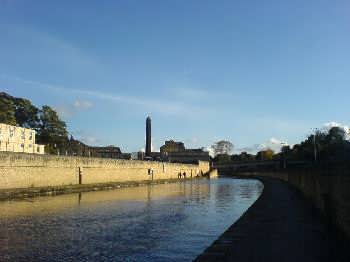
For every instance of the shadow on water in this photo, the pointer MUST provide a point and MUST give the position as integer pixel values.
(169, 222)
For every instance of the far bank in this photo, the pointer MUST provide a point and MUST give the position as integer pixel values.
(20, 172)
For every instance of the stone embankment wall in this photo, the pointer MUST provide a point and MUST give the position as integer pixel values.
(18, 170)
(213, 173)
(328, 190)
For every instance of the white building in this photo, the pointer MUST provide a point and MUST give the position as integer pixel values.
(19, 139)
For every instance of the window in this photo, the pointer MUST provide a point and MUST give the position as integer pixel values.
(11, 131)
(31, 136)
(23, 134)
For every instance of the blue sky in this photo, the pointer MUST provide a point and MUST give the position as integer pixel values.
(251, 72)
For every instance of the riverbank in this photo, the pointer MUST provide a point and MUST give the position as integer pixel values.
(280, 226)
(28, 175)
(22, 193)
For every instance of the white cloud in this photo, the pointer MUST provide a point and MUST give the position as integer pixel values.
(90, 140)
(69, 110)
(191, 142)
(276, 144)
(163, 106)
(82, 104)
(87, 138)
(273, 143)
(251, 149)
(64, 111)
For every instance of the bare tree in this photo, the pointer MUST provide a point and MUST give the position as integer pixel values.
(222, 147)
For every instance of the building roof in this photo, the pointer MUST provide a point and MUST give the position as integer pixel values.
(106, 148)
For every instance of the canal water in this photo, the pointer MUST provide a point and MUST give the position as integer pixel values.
(165, 222)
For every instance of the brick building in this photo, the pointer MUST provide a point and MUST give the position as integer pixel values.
(176, 152)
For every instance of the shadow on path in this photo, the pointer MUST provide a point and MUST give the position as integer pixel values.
(280, 226)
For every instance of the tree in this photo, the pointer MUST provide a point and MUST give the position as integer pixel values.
(265, 155)
(336, 135)
(7, 113)
(336, 146)
(329, 146)
(222, 147)
(7, 110)
(52, 130)
(222, 158)
(243, 156)
(26, 113)
(285, 149)
(18, 111)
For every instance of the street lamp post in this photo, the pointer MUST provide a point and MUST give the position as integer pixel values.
(284, 155)
(315, 148)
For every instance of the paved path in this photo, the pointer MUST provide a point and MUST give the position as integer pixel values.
(280, 226)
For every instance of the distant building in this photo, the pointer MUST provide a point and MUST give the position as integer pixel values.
(135, 155)
(156, 156)
(176, 152)
(172, 146)
(171, 151)
(142, 156)
(78, 148)
(108, 152)
(187, 156)
(126, 156)
(19, 139)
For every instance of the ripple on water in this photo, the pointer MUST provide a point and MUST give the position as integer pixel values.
(167, 222)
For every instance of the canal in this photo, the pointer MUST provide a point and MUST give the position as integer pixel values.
(164, 222)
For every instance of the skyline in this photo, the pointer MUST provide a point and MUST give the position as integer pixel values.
(248, 73)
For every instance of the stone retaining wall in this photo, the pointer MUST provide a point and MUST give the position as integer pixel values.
(213, 173)
(328, 190)
(19, 170)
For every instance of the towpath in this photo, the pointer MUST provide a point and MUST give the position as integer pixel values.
(280, 226)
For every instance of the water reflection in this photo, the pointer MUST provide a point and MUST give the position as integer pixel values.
(168, 222)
